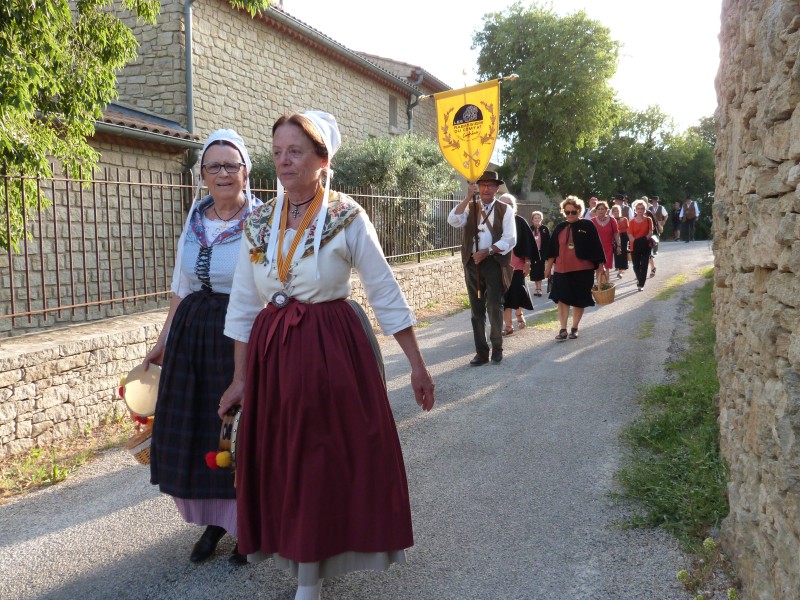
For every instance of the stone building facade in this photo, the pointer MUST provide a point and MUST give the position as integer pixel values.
(757, 290)
(100, 235)
(246, 72)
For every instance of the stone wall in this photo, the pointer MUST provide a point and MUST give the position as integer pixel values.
(54, 385)
(248, 72)
(757, 290)
(108, 234)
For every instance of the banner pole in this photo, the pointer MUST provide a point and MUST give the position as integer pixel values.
(511, 77)
(477, 265)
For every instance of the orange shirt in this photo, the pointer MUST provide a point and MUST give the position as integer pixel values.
(639, 229)
(622, 225)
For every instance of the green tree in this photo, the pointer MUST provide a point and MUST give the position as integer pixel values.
(58, 65)
(410, 164)
(562, 101)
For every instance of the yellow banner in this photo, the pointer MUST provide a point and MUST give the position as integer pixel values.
(467, 126)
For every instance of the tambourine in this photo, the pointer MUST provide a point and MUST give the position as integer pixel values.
(225, 457)
(228, 433)
(140, 390)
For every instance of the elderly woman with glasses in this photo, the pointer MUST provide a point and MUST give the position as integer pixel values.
(196, 358)
(574, 256)
(640, 230)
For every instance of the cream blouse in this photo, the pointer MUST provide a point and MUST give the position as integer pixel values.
(349, 241)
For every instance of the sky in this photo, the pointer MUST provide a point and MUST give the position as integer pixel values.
(669, 55)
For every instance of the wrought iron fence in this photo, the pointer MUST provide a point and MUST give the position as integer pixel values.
(89, 248)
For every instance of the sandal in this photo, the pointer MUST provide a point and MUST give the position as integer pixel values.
(538, 292)
(562, 335)
(573, 333)
(508, 330)
(652, 272)
(521, 322)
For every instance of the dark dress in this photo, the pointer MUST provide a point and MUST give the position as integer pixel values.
(518, 295)
(621, 259)
(197, 369)
(537, 268)
(574, 288)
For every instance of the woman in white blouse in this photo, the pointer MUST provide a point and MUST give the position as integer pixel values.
(197, 358)
(321, 486)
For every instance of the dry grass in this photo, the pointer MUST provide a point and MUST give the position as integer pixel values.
(39, 467)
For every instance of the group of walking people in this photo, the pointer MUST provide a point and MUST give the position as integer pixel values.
(259, 322)
(498, 253)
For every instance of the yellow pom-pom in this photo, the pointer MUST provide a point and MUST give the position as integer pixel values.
(224, 459)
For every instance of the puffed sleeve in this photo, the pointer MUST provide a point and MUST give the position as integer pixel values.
(457, 221)
(245, 302)
(383, 292)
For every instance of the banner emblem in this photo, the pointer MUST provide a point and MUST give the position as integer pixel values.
(467, 122)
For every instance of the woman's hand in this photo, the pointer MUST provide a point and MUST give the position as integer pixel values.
(156, 355)
(422, 384)
(526, 270)
(231, 398)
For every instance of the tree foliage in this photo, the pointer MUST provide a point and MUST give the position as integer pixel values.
(410, 164)
(58, 65)
(562, 101)
(57, 72)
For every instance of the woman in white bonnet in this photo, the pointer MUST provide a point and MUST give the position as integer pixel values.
(196, 358)
(320, 477)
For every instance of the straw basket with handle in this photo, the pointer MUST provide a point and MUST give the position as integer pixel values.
(139, 444)
(603, 291)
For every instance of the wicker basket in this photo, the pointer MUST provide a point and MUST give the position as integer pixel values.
(605, 296)
(139, 445)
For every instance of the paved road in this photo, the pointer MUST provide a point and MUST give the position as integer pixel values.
(510, 477)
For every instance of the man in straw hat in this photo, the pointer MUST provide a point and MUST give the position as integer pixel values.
(489, 235)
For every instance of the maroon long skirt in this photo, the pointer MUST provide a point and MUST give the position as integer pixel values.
(319, 465)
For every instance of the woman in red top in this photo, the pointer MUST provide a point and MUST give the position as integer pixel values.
(640, 229)
(608, 231)
(574, 255)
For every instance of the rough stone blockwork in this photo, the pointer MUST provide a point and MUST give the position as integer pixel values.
(757, 290)
(53, 385)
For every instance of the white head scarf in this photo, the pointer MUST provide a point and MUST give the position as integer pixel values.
(220, 135)
(326, 126)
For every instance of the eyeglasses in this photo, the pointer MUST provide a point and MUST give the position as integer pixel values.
(230, 168)
(570, 212)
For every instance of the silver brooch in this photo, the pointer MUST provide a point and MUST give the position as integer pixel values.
(280, 299)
